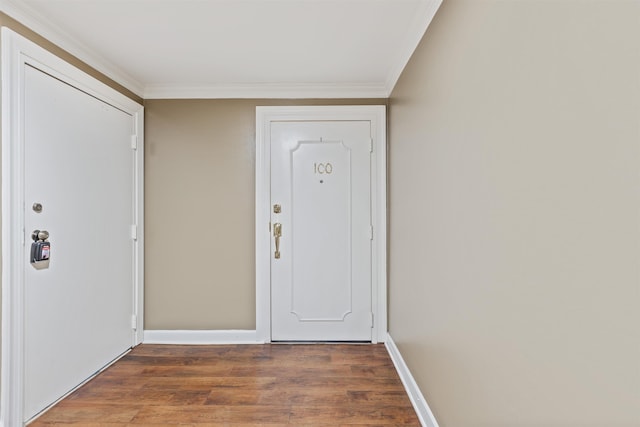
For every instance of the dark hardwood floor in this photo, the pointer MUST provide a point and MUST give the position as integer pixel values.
(241, 385)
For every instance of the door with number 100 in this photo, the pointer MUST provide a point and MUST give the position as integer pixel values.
(321, 226)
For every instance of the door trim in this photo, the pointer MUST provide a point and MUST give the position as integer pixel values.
(376, 114)
(18, 52)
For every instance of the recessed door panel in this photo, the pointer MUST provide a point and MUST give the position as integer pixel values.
(321, 276)
(321, 219)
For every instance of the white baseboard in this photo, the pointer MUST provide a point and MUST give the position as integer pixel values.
(201, 337)
(415, 395)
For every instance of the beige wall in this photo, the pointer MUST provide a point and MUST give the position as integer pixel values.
(514, 213)
(200, 212)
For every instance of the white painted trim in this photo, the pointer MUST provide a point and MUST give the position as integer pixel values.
(11, 392)
(376, 114)
(16, 52)
(138, 266)
(28, 16)
(59, 36)
(427, 419)
(417, 28)
(263, 234)
(266, 90)
(379, 219)
(201, 337)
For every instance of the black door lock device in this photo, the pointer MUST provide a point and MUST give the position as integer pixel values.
(40, 248)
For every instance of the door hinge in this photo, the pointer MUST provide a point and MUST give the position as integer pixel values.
(371, 232)
(134, 232)
(372, 319)
(371, 145)
(134, 142)
(134, 322)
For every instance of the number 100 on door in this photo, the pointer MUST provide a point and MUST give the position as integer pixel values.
(322, 168)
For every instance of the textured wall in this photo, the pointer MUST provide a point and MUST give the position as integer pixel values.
(200, 212)
(514, 212)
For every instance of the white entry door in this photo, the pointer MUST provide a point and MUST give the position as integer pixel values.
(321, 231)
(79, 187)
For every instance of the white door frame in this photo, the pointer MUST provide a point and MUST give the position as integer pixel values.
(376, 114)
(18, 52)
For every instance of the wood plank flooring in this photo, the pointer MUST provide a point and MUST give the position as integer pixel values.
(241, 385)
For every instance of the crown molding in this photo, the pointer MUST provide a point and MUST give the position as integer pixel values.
(266, 90)
(416, 31)
(58, 36)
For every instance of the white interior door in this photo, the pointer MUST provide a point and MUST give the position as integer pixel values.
(321, 263)
(80, 167)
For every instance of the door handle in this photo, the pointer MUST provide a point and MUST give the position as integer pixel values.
(277, 233)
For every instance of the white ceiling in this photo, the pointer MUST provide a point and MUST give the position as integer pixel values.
(237, 48)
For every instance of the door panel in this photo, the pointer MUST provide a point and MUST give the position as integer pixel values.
(321, 220)
(79, 166)
(321, 284)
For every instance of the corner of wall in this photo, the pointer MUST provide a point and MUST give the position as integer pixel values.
(427, 419)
